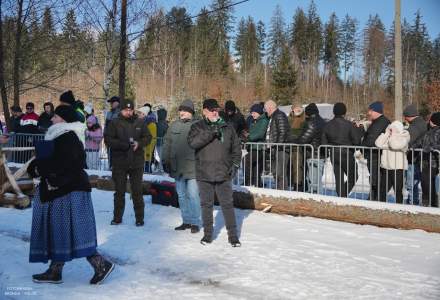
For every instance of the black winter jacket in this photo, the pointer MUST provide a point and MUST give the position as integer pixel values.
(117, 137)
(279, 129)
(312, 131)
(62, 172)
(237, 121)
(377, 127)
(417, 129)
(429, 143)
(44, 121)
(340, 131)
(216, 156)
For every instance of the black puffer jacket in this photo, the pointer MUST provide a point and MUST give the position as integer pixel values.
(417, 129)
(279, 129)
(340, 131)
(312, 131)
(216, 156)
(429, 143)
(377, 127)
(117, 137)
(237, 121)
(63, 170)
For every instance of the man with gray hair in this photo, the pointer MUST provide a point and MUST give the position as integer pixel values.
(278, 132)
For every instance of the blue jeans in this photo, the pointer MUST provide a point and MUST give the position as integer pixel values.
(413, 178)
(189, 200)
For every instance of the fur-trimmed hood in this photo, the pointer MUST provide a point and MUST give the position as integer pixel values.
(58, 129)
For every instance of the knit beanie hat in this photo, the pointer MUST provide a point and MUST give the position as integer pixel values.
(67, 113)
(127, 103)
(435, 118)
(144, 109)
(67, 97)
(311, 109)
(377, 107)
(258, 108)
(339, 109)
(230, 106)
(410, 111)
(187, 105)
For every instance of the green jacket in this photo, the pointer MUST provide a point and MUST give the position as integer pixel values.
(177, 153)
(257, 131)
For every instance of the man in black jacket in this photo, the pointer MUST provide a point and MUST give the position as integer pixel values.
(234, 117)
(45, 119)
(417, 129)
(127, 136)
(218, 156)
(278, 132)
(379, 124)
(311, 134)
(341, 132)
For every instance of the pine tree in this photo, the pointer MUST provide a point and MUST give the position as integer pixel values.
(284, 85)
(298, 35)
(332, 45)
(348, 43)
(277, 37)
(222, 27)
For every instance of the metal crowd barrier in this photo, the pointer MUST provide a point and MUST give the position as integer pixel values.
(344, 171)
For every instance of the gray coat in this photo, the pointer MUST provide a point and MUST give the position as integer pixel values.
(177, 153)
(417, 129)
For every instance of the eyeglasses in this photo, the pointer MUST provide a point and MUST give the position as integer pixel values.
(213, 109)
(29, 108)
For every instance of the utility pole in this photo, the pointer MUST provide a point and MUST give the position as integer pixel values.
(123, 50)
(398, 102)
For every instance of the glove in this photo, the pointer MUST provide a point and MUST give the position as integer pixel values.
(217, 133)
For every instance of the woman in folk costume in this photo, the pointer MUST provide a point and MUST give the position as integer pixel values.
(63, 221)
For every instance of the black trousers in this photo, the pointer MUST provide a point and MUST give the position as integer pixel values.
(373, 168)
(391, 179)
(344, 163)
(223, 191)
(119, 176)
(429, 195)
(253, 168)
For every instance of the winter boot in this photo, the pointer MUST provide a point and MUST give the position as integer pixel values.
(52, 275)
(183, 227)
(139, 223)
(102, 268)
(233, 240)
(115, 222)
(195, 229)
(207, 239)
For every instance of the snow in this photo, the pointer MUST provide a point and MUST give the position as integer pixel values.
(146, 177)
(282, 257)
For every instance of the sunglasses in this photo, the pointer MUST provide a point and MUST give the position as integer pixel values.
(213, 109)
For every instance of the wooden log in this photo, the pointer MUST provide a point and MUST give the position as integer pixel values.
(17, 175)
(12, 200)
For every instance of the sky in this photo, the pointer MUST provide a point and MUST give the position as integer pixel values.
(360, 9)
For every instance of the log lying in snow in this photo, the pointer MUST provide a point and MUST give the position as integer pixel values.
(353, 211)
(337, 209)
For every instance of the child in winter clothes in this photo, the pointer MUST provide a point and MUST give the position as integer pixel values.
(94, 137)
(394, 143)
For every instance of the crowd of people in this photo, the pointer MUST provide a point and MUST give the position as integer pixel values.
(203, 154)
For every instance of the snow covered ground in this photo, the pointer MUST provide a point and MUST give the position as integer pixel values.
(282, 257)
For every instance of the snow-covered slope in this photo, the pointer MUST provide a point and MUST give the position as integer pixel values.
(282, 257)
